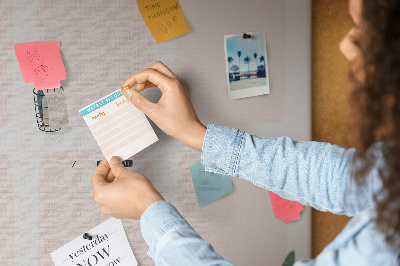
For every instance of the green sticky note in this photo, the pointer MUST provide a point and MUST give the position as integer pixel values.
(209, 186)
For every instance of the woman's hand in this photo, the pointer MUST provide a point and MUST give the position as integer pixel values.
(127, 197)
(174, 112)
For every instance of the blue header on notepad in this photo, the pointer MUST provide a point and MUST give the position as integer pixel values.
(100, 103)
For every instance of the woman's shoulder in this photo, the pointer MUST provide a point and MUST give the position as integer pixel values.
(363, 238)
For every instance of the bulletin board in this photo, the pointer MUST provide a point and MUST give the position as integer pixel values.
(46, 197)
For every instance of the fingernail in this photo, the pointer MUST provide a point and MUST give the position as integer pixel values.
(129, 92)
(115, 160)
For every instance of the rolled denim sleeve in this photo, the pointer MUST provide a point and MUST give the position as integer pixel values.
(312, 173)
(172, 241)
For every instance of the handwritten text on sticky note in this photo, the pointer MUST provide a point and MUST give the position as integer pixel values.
(284, 209)
(164, 18)
(41, 63)
(209, 186)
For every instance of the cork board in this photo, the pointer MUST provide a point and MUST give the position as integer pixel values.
(331, 88)
(46, 193)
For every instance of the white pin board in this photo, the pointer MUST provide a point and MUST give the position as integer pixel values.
(46, 195)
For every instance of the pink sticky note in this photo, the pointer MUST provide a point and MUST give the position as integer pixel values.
(41, 63)
(284, 209)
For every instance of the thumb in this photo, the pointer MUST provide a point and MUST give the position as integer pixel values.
(139, 101)
(117, 167)
(100, 174)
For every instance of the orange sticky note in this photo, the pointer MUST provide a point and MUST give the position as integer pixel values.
(284, 209)
(164, 18)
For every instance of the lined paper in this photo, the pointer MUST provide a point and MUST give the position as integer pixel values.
(118, 126)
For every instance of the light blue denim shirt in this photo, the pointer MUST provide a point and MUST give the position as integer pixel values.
(312, 173)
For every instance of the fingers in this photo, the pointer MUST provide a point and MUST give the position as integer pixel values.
(100, 174)
(160, 67)
(142, 86)
(160, 80)
(104, 210)
(157, 75)
(110, 177)
(140, 102)
(117, 167)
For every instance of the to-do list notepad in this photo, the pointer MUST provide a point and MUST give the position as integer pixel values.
(118, 126)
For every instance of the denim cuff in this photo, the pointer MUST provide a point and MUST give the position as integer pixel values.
(158, 219)
(222, 148)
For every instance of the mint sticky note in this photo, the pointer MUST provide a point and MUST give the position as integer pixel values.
(209, 186)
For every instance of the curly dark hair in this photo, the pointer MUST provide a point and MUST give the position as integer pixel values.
(375, 103)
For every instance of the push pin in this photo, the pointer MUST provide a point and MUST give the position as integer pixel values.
(87, 236)
(246, 36)
(125, 88)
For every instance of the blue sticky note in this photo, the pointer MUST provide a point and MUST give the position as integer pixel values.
(209, 186)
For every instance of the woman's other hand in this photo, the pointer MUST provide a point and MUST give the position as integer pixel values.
(127, 197)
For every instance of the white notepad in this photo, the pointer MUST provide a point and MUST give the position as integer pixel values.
(118, 126)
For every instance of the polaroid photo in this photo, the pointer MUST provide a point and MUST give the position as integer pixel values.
(246, 65)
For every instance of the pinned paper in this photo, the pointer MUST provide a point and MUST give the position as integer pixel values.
(56, 108)
(108, 246)
(164, 18)
(284, 209)
(118, 126)
(41, 63)
(209, 186)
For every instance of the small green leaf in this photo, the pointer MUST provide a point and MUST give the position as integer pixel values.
(289, 261)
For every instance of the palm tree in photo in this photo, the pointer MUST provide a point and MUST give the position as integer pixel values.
(230, 60)
(255, 60)
(247, 60)
(261, 72)
(262, 59)
(234, 68)
(239, 54)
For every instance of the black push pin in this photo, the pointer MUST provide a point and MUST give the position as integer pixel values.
(126, 163)
(246, 36)
(87, 236)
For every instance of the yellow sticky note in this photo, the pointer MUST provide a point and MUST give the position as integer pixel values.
(164, 18)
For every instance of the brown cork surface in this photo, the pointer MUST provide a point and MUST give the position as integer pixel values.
(331, 88)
